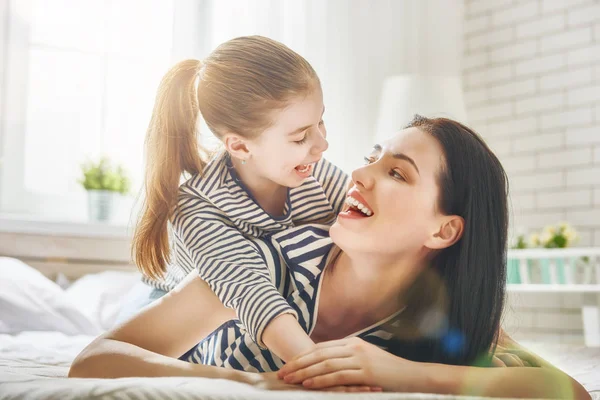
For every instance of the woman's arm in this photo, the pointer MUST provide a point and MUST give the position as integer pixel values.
(149, 343)
(355, 362)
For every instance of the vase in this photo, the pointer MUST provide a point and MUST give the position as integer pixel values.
(101, 205)
(550, 276)
(513, 275)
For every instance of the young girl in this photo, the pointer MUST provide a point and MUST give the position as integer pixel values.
(264, 102)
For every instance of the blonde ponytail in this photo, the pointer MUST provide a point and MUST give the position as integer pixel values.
(171, 149)
(239, 85)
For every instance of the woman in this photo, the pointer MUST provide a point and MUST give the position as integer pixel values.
(417, 269)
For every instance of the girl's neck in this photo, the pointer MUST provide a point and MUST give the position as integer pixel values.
(360, 291)
(269, 195)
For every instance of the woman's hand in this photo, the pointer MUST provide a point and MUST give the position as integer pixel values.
(510, 354)
(264, 381)
(349, 362)
(270, 381)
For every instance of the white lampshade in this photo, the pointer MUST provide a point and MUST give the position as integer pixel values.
(404, 96)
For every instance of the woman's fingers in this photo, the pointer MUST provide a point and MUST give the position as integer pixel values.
(323, 367)
(527, 358)
(338, 378)
(352, 389)
(496, 362)
(516, 358)
(510, 360)
(315, 356)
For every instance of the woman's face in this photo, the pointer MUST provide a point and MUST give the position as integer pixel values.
(398, 188)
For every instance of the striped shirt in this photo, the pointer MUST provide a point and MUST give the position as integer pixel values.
(215, 219)
(296, 259)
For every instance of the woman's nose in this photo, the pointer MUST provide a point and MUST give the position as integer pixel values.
(363, 177)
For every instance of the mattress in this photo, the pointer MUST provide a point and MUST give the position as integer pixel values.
(33, 365)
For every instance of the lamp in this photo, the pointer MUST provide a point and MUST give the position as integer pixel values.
(403, 96)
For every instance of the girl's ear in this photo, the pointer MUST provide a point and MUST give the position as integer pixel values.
(236, 146)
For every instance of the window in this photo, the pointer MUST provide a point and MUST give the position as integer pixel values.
(80, 81)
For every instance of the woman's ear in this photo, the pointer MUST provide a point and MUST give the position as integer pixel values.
(236, 146)
(449, 232)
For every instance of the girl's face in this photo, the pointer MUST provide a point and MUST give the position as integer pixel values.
(286, 152)
(392, 209)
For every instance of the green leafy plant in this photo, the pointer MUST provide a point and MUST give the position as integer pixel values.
(102, 175)
(520, 243)
(553, 237)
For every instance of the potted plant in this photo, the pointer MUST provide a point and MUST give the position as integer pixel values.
(104, 183)
(513, 273)
(554, 237)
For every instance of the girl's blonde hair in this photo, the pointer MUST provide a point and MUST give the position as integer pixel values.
(235, 89)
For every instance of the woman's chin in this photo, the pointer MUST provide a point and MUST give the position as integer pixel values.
(348, 239)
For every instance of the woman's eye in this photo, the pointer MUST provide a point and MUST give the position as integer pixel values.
(369, 160)
(321, 123)
(395, 174)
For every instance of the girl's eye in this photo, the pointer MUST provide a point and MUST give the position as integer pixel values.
(321, 122)
(396, 175)
(301, 141)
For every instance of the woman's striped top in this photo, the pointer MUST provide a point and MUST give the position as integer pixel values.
(213, 223)
(296, 259)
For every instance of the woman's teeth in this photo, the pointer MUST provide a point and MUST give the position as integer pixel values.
(303, 168)
(360, 206)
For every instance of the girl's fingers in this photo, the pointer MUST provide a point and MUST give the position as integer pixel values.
(338, 378)
(315, 356)
(324, 367)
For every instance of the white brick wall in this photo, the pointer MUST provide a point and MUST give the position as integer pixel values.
(532, 87)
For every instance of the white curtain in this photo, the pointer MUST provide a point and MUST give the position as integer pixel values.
(353, 45)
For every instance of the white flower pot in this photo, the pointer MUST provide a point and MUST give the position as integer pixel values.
(101, 205)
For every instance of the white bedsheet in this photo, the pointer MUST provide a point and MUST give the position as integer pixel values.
(33, 365)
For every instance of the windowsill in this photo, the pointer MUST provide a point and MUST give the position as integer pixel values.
(39, 226)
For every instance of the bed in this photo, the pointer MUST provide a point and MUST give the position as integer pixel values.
(43, 326)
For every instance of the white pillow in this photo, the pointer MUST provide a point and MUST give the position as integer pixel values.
(101, 295)
(31, 302)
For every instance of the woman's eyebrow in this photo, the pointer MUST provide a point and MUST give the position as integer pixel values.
(404, 157)
(399, 156)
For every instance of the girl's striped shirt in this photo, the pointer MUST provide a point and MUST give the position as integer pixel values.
(213, 224)
(296, 259)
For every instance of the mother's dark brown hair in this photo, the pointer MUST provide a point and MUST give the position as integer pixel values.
(463, 291)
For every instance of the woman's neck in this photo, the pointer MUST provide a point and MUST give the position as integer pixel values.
(269, 195)
(359, 291)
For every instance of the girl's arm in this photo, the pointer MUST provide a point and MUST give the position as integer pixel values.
(240, 277)
(355, 362)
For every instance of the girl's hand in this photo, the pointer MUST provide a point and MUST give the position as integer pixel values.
(349, 362)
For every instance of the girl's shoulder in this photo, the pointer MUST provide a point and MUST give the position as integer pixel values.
(325, 171)
(216, 171)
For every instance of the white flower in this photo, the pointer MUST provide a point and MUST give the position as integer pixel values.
(571, 235)
(563, 226)
(546, 237)
(549, 230)
(534, 239)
